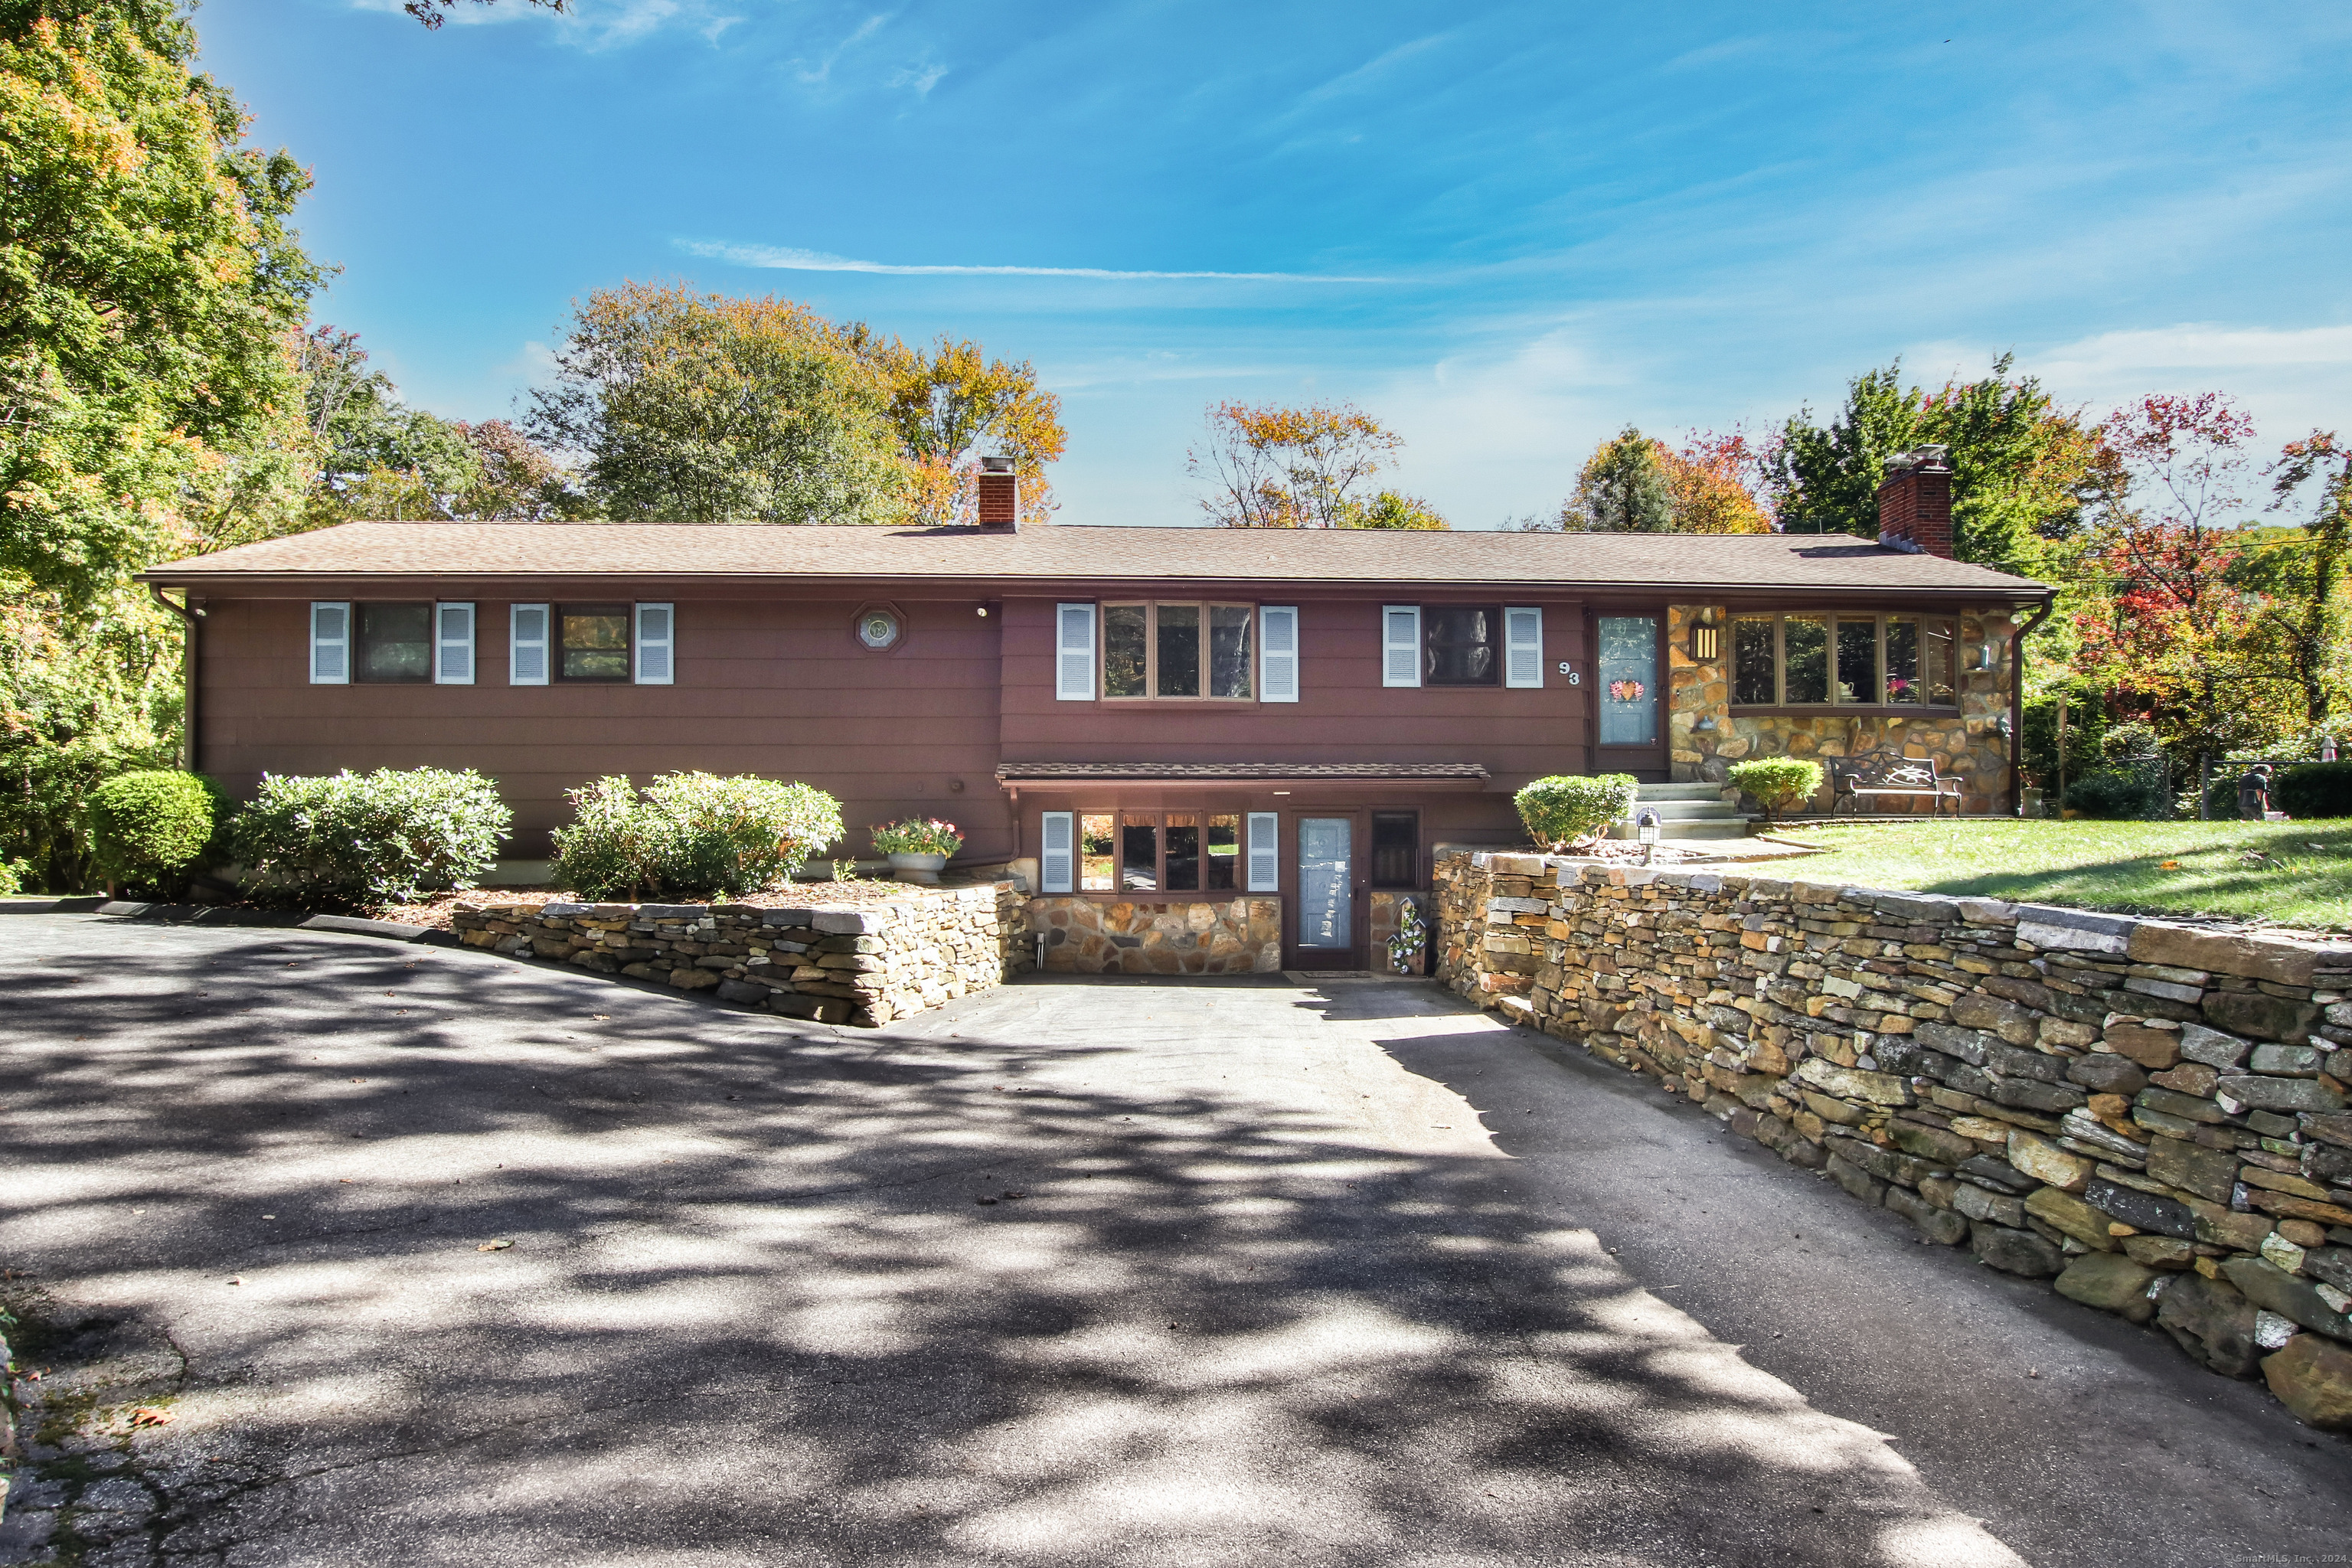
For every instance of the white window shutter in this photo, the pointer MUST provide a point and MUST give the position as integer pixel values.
(1401, 644)
(331, 645)
(1074, 653)
(1264, 852)
(1523, 645)
(453, 644)
(1054, 855)
(1278, 643)
(527, 644)
(655, 626)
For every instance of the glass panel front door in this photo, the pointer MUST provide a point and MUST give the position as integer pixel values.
(1325, 882)
(1629, 680)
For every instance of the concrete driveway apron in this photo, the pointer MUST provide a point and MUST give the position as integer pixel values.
(1110, 1272)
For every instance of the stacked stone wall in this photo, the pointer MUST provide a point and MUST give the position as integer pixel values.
(2150, 1114)
(864, 963)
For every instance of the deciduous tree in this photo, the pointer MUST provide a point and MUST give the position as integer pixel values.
(951, 405)
(689, 408)
(1271, 467)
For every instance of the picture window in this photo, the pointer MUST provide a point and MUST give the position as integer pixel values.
(1819, 658)
(1180, 651)
(1461, 645)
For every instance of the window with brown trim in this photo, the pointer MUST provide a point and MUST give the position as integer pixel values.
(595, 642)
(1461, 645)
(1160, 851)
(1396, 850)
(1153, 649)
(395, 644)
(1823, 658)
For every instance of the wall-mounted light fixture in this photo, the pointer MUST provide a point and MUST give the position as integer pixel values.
(1706, 637)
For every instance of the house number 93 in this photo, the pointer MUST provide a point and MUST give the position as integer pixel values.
(1569, 670)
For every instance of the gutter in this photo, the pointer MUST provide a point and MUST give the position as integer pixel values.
(2017, 704)
(192, 617)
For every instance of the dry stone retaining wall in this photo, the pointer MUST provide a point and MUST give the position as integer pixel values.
(858, 963)
(2152, 1114)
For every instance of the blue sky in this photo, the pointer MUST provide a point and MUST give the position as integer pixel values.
(1506, 230)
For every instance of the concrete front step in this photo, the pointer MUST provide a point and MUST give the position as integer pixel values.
(1652, 792)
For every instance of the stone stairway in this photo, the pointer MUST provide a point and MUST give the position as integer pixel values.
(1686, 811)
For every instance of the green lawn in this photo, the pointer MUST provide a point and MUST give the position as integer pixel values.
(2296, 874)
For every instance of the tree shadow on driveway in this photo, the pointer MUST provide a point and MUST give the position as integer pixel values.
(1065, 1274)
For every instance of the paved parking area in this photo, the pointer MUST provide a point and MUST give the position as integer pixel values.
(1073, 1273)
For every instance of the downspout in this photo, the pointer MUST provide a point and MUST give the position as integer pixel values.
(2017, 706)
(187, 676)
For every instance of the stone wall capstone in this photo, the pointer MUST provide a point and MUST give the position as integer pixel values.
(865, 964)
(2150, 1114)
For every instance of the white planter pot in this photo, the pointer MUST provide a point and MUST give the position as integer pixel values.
(923, 869)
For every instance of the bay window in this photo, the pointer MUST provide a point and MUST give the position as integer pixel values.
(1822, 658)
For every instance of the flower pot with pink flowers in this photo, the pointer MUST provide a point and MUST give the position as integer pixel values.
(918, 849)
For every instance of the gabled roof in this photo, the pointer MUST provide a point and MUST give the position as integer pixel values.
(1069, 553)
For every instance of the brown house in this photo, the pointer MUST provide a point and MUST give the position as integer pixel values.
(1209, 750)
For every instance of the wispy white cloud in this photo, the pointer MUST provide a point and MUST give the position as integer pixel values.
(921, 79)
(792, 260)
(821, 72)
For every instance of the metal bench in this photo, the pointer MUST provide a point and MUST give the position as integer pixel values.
(1884, 772)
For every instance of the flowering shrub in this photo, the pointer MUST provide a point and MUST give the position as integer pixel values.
(691, 832)
(384, 838)
(913, 837)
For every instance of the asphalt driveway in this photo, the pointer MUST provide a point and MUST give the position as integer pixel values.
(1073, 1273)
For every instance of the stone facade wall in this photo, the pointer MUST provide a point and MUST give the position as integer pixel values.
(858, 963)
(1242, 935)
(1705, 738)
(2153, 1114)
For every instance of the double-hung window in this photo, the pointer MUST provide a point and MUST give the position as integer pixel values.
(1462, 644)
(1823, 658)
(608, 644)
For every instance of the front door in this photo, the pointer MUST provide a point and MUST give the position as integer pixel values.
(1630, 671)
(1326, 935)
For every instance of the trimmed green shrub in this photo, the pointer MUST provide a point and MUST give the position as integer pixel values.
(1778, 784)
(148, 829)
(1567, 807)
(2113, 796)
(691, 832)
(384, 838)
(2310, 789)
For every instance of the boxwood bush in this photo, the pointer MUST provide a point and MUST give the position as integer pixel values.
(1566, 807)
(691, 833)
(385, 837)
(1778, 784)
(150, 829)
(2311, 789)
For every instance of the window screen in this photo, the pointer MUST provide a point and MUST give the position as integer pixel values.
(1396, 850)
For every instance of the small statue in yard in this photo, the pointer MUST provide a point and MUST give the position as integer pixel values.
(2254, 793)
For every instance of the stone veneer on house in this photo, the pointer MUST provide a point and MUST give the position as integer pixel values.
(2153, 1114)
(1968, 746)
(857, 964)
(1241, 935)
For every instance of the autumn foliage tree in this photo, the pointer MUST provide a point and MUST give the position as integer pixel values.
(1634, 483)
(950, 405)
(1274, 467)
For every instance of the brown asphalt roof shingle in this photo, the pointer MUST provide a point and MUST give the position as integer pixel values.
(1036, 772)
(1065, 551)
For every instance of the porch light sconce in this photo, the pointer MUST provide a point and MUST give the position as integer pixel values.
(1647, 830)
(1988, 657)
(1707, 640)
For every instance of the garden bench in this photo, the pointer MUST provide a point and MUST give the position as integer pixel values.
(1884, 772)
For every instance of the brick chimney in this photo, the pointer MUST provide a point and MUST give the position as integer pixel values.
(999, 494)
(1915, 504)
